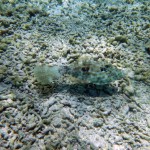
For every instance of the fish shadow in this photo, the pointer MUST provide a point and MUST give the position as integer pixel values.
(91, 90)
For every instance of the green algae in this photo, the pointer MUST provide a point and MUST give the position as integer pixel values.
(46, 74)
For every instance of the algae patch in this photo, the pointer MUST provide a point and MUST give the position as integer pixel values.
(46, 74)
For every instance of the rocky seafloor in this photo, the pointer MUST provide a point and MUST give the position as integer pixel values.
(68, 115)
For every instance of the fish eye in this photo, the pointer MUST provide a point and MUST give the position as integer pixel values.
(85, 69)
(107, 66)
(103, 69)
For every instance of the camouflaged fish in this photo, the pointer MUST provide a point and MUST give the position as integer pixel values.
(85, 69)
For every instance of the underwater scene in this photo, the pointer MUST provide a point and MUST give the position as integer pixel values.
(74, 74)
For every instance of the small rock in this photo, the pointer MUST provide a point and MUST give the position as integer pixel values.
(40, 136)
(72, 127)
(65, 103)
(98, 122)
(11, 96)
(50, 102)
(148, 122)
(3, 69)
(113, 8)
(31, 126)
(46, 131)
(121, 39)
(54, 108)
(57, 123)
(126, 136)
(18, 145)
(114, 43)
(129, 90)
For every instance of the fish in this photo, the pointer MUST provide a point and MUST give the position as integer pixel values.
(100, 72)
(85, 69)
